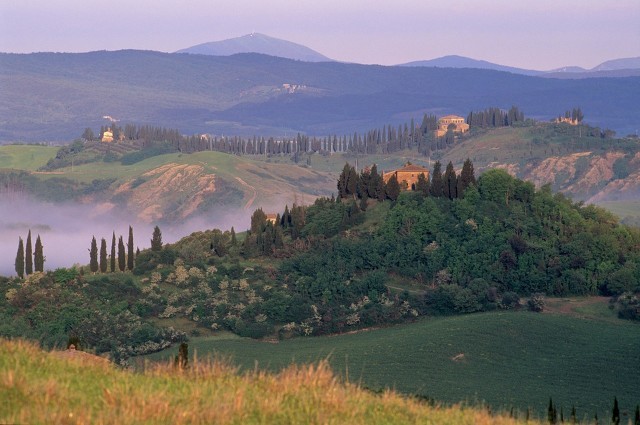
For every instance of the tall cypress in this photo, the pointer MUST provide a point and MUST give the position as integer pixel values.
(156, 239)
(467, 177)
(615, 413)
(122, 262)
(103, 255)
(130, 253)
(450, 182)
(38, 256)
(234, 241)
(392, 188)
(28, 255)
(437, 185)
(112, 261)
(93, 256)
(20, 259)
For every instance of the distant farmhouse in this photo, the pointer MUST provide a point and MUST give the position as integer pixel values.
(458, 122)
(107, 136)
(567, 120)
(407, 176)
(272, 218)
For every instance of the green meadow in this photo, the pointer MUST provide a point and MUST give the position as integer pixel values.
(503, 359)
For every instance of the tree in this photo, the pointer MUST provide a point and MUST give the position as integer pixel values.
(615, 413)
(392, 188)
(234, 241)
(437, 185)
(258, 221)
(130, 254)
(156, 239)
(20, 259)
(422, 185)
(88, 134)
(122, 262)
(466, 178)
(38, 256)
(103, 255)
(113, 253)
(636, 420)
(450, 182)
(93, 256)
(28, 256)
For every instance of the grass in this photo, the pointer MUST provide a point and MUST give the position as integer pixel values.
(25, 157)
(40, 387)
(505, 359)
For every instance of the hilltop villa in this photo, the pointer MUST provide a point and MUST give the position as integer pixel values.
(107, 136)
(566, 120)
(407, 174)
(445, 122)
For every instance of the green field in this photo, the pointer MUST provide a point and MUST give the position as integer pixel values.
(505, 359)
(25, 157)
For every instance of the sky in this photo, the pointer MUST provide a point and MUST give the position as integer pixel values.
(540, 34)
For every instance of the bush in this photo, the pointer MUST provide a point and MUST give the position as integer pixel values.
(536, 303)
(510, 300)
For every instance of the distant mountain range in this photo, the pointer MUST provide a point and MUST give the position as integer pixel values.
(55, 96)
(626, 67)
(257, 43)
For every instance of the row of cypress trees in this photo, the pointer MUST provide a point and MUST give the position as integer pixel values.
(552, 414)
(125, 261)
(27, 259)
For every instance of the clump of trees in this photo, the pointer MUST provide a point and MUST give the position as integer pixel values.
(28, 261)
(495, 117)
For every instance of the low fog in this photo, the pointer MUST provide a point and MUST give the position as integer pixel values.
(66, 229)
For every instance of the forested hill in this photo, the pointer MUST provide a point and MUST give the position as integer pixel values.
(373, 256)
(256, 94)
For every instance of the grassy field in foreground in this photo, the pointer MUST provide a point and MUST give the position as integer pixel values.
(505, 359)
(40, 387)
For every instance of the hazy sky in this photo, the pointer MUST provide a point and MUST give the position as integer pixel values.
(534, 34)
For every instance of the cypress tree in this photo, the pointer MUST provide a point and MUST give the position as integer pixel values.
(466, 178)
(112, 264)
(450, 182)
(103, 255)
(422, 185)
(352, 182)
(130, 253)
(93, 256)
(233, 237)
(392, 188)
(122, 262)
(156, 239)
(437, 185)
(342, 181)
(38, 262)
(573, 417)
(19, 264)
(615, 413)
(28, 255)
(550, 412)
(636, 420)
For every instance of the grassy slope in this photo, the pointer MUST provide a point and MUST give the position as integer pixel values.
(25, 157)
(39, 387)
(510, 359)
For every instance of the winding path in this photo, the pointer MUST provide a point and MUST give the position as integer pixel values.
(253, 197)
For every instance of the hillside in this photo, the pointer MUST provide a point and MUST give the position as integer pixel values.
(257, 43)
(504, 359)
(250, 94)
(51, 389)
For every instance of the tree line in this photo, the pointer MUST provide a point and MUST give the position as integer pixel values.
(388, 139)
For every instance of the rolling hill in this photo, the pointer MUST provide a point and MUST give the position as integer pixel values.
(55, 96)
(257, 43)
(625, 67)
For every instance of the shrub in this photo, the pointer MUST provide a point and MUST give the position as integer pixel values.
(536, 303)
(510, 300)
